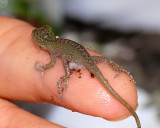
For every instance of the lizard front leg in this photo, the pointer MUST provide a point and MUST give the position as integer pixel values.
(64, 78)
(41, 68)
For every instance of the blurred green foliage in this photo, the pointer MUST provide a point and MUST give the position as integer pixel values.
(27, 10)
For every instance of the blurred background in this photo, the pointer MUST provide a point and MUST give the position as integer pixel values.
(126, 31)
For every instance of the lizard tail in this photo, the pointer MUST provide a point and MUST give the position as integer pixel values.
(116, 96)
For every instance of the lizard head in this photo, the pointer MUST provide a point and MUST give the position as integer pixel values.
(43, 36)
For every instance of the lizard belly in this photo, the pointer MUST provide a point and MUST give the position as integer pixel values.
(73, 65)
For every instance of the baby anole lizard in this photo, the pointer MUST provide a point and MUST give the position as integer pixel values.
(73, 53)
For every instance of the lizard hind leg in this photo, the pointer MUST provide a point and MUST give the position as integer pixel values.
(118, 69)
(64, 78)
(101, 59)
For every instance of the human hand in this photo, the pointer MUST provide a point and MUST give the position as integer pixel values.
(20, 81)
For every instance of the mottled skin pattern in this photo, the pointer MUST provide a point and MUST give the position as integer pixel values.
(72, 52)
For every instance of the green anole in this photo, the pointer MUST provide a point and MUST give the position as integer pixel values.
(74, 54)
